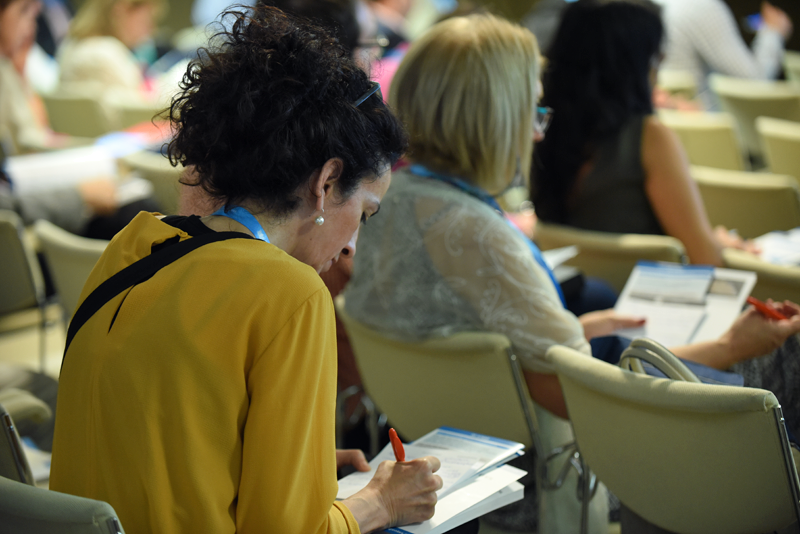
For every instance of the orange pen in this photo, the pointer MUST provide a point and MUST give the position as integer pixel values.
(766, 310)
(397, 446)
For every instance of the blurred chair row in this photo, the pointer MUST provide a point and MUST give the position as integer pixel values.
(759, 122)
(27, 509)
(81, 114)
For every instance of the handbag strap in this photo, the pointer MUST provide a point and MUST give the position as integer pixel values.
(138, 272)
(658, 356)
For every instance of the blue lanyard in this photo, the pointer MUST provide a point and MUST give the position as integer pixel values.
(244, 217)
(486, 198)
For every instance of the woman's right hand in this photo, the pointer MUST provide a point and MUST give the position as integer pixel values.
(400, 493)
(754, 335)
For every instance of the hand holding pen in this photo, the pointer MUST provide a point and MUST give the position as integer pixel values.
(405, 489)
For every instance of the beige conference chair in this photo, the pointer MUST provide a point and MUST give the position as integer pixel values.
(781, 142)
(688, 458)
(752, 203)
(70, 259)
(26, 509)
(778, 282)
(748, 99)
(77, 114)
(791, 65)
(156, 169)
(606, 255)
(677, 82)
(471, 381)
(130, 113)
(708, 138)
(22, 293)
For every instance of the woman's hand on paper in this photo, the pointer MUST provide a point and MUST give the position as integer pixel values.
(400, 493)
(352, 457)
(754, 335)
(605, 322)
(732, 239)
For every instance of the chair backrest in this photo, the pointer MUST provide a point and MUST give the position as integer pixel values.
(709, 138)
(677, 82)
(157, 169)
(748, 99)
(21, 282)
(791, 65)
(689, 458)
(70, 259)
(752, 203)
(781, 142)
(27, 509)
(777, 282)
(13, 462)
(463, 381)
(76, 114)
(609, 256)
(131, 113)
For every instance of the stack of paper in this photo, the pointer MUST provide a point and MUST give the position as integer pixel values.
(683, 303)
(475, 481)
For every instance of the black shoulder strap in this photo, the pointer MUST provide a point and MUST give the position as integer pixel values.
(137, 273)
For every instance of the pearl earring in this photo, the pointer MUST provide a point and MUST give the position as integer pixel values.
(320, 219)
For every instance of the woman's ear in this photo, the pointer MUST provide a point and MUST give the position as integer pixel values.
(323, 181)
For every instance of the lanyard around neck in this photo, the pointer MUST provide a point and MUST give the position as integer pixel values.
(460, 183)
(246, 219)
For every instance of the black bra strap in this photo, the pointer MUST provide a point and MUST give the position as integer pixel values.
(137, 273)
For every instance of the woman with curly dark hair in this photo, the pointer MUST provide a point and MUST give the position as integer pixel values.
(198, 386)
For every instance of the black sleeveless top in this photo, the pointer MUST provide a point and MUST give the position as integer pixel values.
(611, 197)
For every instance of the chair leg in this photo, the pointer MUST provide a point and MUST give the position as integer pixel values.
(42, 338)
(585, 481)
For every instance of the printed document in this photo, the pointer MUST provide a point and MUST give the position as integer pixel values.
(683, 304)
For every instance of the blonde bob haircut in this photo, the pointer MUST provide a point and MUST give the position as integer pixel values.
(467, 91)
(95, 18)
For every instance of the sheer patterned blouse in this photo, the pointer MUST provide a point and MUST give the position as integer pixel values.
(437, 261)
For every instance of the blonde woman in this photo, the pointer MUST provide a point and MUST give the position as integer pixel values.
(98, 54)
(441, 258)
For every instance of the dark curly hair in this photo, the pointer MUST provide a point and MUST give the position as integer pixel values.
(338, 16)
(261, 111)
(597, 78)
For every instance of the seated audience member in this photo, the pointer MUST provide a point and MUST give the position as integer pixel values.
(215, 411)
(97, 57)
(608, 164)
(89, 209)
(442, 259)
(703, 37)
(18, 123)
(391, 17)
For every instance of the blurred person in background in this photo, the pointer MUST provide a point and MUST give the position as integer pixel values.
(703, 37)
(98, 56)
(607, 163)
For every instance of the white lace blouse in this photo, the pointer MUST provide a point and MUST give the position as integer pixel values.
(436, 261)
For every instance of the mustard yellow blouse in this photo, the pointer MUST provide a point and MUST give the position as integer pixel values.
(207, 404)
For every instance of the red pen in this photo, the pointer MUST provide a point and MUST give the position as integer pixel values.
(766, 310)
(397, 446)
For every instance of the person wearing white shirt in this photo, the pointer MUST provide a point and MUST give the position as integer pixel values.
(703, 37)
